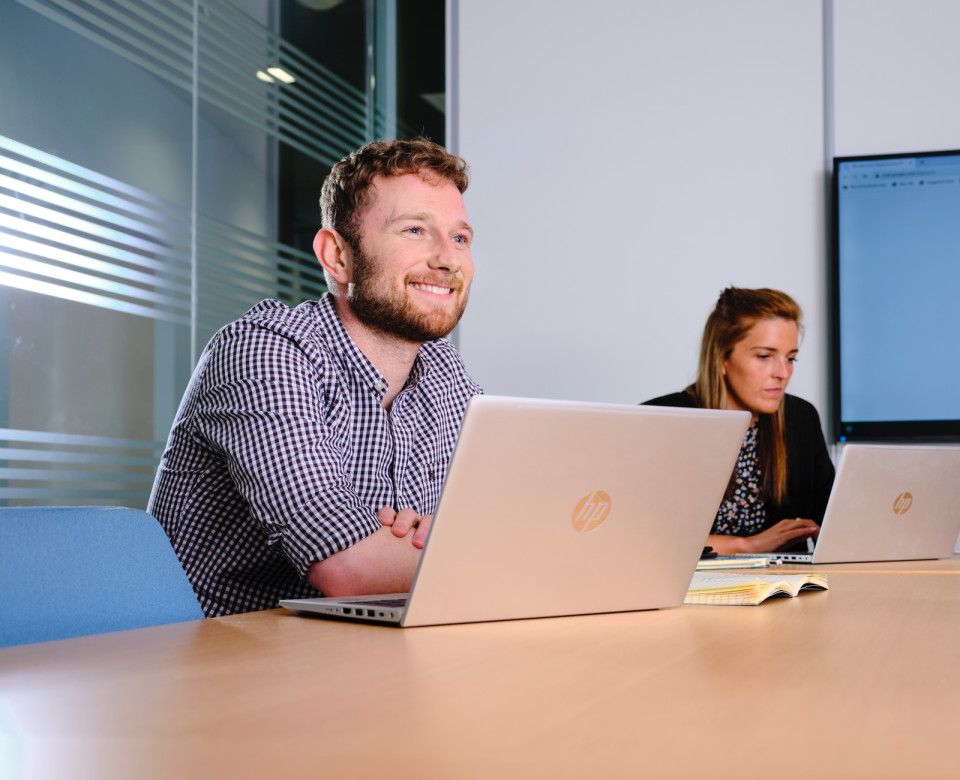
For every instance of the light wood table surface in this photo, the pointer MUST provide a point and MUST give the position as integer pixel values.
(862, 681)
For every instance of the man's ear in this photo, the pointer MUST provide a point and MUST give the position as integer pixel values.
(334, 255)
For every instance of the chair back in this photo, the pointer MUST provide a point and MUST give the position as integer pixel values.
(73, 571)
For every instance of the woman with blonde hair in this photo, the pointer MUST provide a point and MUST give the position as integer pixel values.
(779, 490)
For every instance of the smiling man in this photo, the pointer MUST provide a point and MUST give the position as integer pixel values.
(310, 447)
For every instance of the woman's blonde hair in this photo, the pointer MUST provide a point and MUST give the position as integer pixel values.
(736, 312)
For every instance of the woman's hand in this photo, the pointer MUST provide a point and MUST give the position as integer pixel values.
(784, 534)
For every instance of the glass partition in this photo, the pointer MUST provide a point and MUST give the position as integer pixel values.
(160, 165)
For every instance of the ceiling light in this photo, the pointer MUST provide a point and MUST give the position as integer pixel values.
(264, 77)
(281, 75)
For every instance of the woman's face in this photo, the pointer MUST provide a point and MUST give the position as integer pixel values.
(760, 365)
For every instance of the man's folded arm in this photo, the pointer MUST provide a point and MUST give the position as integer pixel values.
(378, 563)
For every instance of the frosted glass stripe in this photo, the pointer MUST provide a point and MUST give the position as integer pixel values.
(226, 24)
(172, 269)
(89, 477)
(267, 125)
(179, 12)
(320, 117)
(102, 181)
(76, 495)
(266, 266)
(237, 291)
(293, 104)
(60, 456)
(65, 221)
(309, 143)
(134, 23)
(254, 267)
(235, 47)
(180, 76)
(63, 202)
(79, 440)
(78, 187)
(281, 283)
(42, 269)
(218, 231)
(286, 278)
(47, 252)
(117, 248)
(76, 468)
(79, 296)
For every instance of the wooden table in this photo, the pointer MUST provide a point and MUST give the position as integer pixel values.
(862, 681)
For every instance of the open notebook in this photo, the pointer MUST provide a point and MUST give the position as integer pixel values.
(889, 503)
(564, 508)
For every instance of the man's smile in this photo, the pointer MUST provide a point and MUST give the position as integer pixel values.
(431, 288)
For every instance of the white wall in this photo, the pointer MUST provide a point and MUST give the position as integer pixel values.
(897, 76)
(629, 160)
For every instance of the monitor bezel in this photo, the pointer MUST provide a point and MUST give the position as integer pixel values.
(934, 431)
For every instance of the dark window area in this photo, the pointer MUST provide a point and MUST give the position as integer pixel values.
(337, 38)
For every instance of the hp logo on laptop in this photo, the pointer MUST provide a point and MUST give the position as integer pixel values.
(902, 503)
(590, 511)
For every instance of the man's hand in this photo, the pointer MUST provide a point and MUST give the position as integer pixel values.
(402, 522)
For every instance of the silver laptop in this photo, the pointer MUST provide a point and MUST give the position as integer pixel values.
(889, 503)
(563, 508)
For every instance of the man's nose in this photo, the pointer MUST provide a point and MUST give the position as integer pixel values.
(445, 258)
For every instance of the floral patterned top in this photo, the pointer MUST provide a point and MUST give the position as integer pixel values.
(743, 513)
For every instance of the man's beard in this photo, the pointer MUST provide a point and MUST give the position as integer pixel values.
(390, 311)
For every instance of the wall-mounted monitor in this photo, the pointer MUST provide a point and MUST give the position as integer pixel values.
(896, 297)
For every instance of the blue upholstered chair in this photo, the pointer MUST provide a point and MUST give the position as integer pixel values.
(73, 571)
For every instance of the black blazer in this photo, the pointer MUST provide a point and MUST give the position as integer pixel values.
(809, 468)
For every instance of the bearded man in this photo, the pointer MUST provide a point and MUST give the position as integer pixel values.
(309, 450)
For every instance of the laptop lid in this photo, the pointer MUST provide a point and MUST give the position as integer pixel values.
(891, 503)
(561, 508)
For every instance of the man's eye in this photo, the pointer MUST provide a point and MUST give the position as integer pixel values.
(415, 230)
(461, 239)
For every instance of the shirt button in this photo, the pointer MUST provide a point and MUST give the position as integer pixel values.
(378, 386)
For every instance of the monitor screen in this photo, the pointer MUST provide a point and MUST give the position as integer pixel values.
(896, 296)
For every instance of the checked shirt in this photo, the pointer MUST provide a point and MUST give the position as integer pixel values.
(281, 453)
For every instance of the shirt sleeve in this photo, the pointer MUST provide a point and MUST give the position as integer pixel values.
(280, 422)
